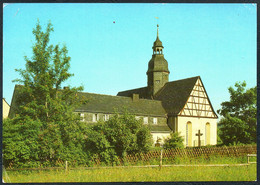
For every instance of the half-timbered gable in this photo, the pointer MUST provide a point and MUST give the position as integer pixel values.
(198, 103)
(189, 111)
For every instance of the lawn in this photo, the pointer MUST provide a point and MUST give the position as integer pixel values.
(130, 174)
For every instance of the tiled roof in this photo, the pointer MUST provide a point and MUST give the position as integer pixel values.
(141, 91)
(110, 104)
(175, 94)
(159, 128)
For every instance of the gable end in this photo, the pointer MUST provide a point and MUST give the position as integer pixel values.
(198, 103)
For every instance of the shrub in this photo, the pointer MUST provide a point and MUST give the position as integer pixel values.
(174, 141)
(117, 137)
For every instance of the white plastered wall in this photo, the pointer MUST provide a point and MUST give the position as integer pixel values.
(162, 135)
(198, 124)
(6, 109)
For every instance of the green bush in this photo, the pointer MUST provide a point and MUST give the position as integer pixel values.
(174, 141)
(27, 144)
(117, 137)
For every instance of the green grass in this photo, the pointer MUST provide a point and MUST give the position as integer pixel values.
(130, 174)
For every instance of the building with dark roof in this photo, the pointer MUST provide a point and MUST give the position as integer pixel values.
(189, 110)
(178, 106)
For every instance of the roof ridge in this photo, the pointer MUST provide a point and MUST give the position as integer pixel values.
(119, 96)
(96, 94)
(133, 89)
(184, 79)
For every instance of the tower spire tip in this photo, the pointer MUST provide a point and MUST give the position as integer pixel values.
(157, 30)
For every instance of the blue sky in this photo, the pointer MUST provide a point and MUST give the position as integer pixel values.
(214, 41)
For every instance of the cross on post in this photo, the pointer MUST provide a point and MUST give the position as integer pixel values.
(199, 134)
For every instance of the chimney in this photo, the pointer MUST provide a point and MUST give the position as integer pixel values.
(135, 97)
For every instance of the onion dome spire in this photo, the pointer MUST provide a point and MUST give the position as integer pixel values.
(158, 72)
(157, 30)
(157, 45)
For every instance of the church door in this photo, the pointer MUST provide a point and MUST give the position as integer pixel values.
(189, 134)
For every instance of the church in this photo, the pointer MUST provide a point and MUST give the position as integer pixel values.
(178, 106)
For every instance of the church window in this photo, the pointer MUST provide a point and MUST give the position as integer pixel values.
(145, 120)
(95, 117)
(189, 134)
(155, 121)
(207, 133)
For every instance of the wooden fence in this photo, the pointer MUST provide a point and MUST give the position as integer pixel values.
(190, 153)
(155, 158)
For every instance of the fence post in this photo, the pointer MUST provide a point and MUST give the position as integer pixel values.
(66, 166)
(161, 158)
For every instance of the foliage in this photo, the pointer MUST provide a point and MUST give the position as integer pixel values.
(27, 144)
(45, 129)
(20, 141)
(238, 124)
(118, 136)
(40, 96)
(219, 141)
(174, 141)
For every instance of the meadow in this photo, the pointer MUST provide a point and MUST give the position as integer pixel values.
(177, 165)
(138, 174)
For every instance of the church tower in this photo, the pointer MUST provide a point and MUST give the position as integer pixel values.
(158, 72)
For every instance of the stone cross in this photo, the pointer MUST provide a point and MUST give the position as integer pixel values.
(199, 134)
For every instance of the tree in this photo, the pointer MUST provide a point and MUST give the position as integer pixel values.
(43, 105)
(119, 136)
(40, 96)
(174, 141)
(238, 122)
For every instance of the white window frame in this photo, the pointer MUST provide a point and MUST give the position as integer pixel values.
(95, 117)
(82, 116)
(155, 121)
(106, 117)
(145, 120)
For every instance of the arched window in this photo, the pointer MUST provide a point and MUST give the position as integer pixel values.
(189, 134)
(207, 133)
